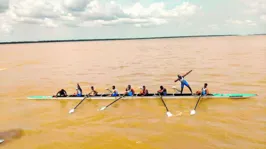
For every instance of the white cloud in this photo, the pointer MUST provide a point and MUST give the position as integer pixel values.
(159, 10)
(6, 28)
(137, 22)
(213, 26)
(35, 12)
(99, 11)
(173, 17)
(35, 9)
(90, 13)
(256, 7)
(263, 18)
(112, 13)
(49, 23)
(5, 24)
(241, 22)
(75, 13)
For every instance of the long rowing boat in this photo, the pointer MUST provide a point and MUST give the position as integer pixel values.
(174, 96)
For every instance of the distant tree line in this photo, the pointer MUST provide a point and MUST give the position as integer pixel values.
(83, 40)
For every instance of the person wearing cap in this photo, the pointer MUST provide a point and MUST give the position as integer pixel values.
(93, 92)
(162, 91)
(79, 91)
(183, 82)
(143, 91)
(129, 91)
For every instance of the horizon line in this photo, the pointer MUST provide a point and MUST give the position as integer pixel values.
(111, 39)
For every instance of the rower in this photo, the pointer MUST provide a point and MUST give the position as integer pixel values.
(183, 82)
(162, 91)
(79, 91)
(114, 91)
(93, 92)
(61, 93)
(144, 91)
(204, 91)
(129, 91)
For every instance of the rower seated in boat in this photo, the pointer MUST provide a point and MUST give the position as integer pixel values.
(129, 91)
(61, 93)
(79, 91)
(204, 91)
(93, 92)
(144, 91)
(114, 92)
(162, 91)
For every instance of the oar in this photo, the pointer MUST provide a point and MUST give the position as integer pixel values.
(169, 114)
(176, 89)
(2, 140)
(192, 112)
(72, 110)
(112, 102)
(109, 90)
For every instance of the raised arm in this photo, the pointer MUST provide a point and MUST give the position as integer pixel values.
(177, 79)
(187, 73)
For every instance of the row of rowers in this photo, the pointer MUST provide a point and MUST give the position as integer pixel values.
(129, 91)
(113, 92)
(144, 91)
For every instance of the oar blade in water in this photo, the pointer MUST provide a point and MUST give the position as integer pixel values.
(102, 108)
(192, 112)
(1, 140)
(169, 114)
(71, 111)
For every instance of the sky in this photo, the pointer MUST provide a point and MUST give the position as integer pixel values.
(32, 20)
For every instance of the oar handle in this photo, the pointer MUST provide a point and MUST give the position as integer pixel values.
(197, 102)
(85, 96)
(81, 101)
(115, 100)
(163, 102)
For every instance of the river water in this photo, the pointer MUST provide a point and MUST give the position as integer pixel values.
(227, 64)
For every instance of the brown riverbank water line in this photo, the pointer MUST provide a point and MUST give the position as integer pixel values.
(227, 64)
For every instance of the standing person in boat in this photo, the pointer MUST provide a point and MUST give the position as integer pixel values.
(114, 92)
(79, 91)
(162, 91)
(61, 93)
(183, 82)
(129, 91)
(143, 91)
(204, 91)
(93, 92)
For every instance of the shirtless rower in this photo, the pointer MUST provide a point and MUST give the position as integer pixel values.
(162, 91)
(93, 92)
(144, 91)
